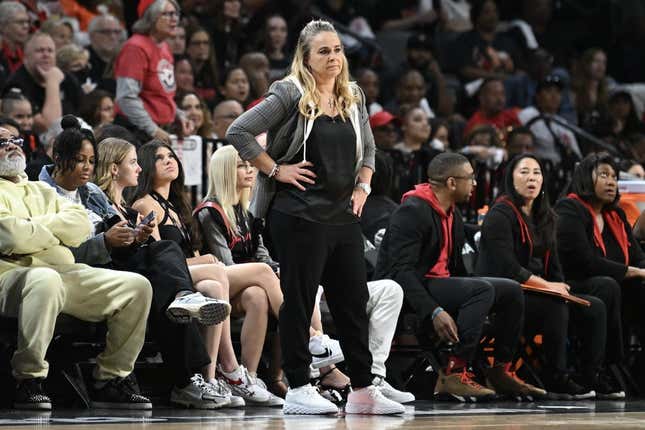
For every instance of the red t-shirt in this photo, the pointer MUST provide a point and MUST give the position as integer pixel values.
(504, 119)
(152, 65)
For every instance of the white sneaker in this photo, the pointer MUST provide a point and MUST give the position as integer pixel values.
(204, 309)
(370, 400)
(324, 351)
(273, 399)
(198, 394)
(242, 384)
(392, 393)
(221, 388)
(306, 400)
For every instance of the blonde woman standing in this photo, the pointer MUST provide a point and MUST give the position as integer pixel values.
(315, 174)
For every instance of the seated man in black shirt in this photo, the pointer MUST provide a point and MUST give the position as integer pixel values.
(421, 251)
(51, 92)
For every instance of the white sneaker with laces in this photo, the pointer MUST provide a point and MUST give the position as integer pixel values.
(370, 400)
(392, 393)
(324, 351)
(198, 394)
(242, 384)
(221, 388)
(306, 400)
(273, 399)
(195, 306)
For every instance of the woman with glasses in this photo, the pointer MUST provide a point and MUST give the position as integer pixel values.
(145, 76)
(201, 53)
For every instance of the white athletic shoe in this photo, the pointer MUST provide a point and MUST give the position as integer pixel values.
(392, 393)
(222, 389)
(198, 394)
(195, 306)
(370, 400)
(306, 400)
(242, 384)
(324, 351)
(273, 399)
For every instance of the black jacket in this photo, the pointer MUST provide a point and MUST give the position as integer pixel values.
(580, 256)
(503, 254)
(411, 247)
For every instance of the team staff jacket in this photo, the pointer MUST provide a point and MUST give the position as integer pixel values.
(505, 252)
(411, 247)
(580, 254)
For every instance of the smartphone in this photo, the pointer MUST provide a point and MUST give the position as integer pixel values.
(148, 219)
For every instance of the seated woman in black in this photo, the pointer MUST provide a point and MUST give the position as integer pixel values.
(599, 253)
(518, 242)
(161, 189)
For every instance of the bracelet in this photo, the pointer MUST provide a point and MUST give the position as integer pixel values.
(274, 170)
(436, 312)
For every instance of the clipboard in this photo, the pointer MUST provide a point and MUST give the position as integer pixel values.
(566, 297)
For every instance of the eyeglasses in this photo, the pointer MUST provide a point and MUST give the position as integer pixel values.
(171, 14)
(229, 116)
(109, 32)
(18, 141)
(21, 22)
(470, 178)
(245, 166)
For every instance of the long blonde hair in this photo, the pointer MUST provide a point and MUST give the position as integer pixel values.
(222, 183)
(345, 98)
(111, 151)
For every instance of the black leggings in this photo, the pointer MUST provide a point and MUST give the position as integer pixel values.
(313, 254)
(182, 348)
(552, 318)
(470, 300)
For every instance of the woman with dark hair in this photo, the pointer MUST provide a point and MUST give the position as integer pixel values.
(201, 53)
(599, 253)
(518, 242)
(591, 88)
(121, 241)
(160, 190)
(275, 46)
(621, 123)
(97, 108)
(197, 111)
(235, 85)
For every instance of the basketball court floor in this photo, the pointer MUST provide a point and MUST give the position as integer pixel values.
(420, 415)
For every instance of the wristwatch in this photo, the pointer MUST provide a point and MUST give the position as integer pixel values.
(365, 187)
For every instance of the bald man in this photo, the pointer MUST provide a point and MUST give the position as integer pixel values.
(223, 116)
(106, 37)
(51, 92)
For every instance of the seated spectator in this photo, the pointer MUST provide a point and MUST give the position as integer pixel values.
(106, 37)
(145, 75)
(621, 123)
(518, 242)
(599, 254)
(197, 112)
(275, 47)
(553, 142)
(40, 279)
(223, 116)
(384, 126)
(225, 26)
(440, 135)
(51, 92)
(483, 53)
(632, 170)
(412, 155)
(421, 250)
(379, 206)
(14, 30)
(410, 91)
(201, 53)
(177, 42)
(74, 60)
(256, 67)
(161, 190)
(492, 110)
(520, 141)
(97, 108)
(235, 85)
(368, 80)
(591, 87)
(118, 243)
(60, 30)
(184, 76)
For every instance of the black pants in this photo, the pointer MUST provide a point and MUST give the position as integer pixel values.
(609, 291)
(470, 300)
(313, 254)
(553, 318)
(182, 348)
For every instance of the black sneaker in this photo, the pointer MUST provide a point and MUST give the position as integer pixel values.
(30, 395)
(119, 393)
(606, 388)
(563, 387)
